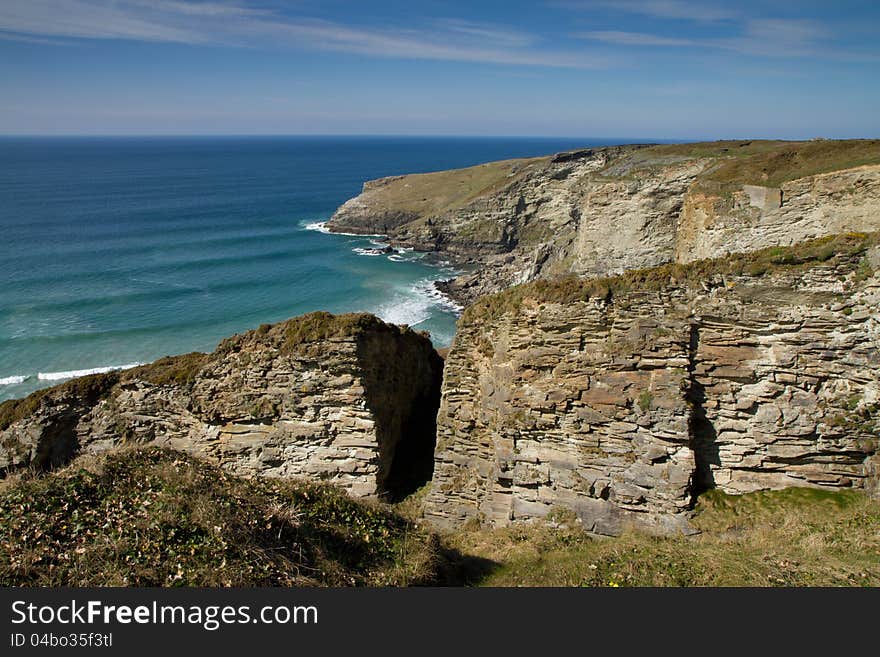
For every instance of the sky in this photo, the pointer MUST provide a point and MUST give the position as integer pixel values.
(662, 69)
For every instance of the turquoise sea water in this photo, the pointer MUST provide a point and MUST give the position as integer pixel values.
(117, 251)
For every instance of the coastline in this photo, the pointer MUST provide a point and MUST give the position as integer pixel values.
(395, 250)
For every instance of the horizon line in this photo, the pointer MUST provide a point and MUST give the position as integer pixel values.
(628, 140)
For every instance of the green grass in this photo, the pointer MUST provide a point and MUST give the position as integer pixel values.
(85, 389)
(571, 289)
(152, 517)
(171, 370)
(433, 194)
(418, 198)
(795, 537)
(289, 335)
(772, 163)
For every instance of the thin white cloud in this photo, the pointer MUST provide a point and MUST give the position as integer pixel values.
(634, 39)
(777, 37)
(410, 44)
(186, 21)
(759, 37)
(198, 8)
(25, 38)
(668, 9)
(88, 19)
(488, 33)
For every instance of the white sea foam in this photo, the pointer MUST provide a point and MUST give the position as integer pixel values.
(12, 380)
(414, 304)
(429, 290)
(367, 252)
(406, 308)
(70, 374)
(321, 227)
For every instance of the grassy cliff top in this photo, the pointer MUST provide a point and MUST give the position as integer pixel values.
(772, 163)
(318, 326)
(429, 194)
(153, 517)
(571, 289)
(733, 164)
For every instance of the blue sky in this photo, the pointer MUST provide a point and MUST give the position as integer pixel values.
(616, 68)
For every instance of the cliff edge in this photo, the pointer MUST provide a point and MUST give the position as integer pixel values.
(602, 211)
(346, 399)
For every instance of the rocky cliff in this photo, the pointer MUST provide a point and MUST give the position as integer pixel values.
(619, 399)
(347, 399)
(602, 211)
(680, 323)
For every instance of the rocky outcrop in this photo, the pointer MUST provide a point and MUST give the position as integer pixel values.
(602, 211)
(756, 217)
(620, 399)
(348, 399)
(623, 373)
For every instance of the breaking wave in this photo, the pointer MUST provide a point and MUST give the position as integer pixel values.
(70, 374)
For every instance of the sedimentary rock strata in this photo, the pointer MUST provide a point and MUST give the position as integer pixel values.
(620, 399)
(347, 399)
(603, 211)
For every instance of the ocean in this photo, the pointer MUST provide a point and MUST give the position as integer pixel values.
(117, 251)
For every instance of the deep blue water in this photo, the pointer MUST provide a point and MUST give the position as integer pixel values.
(122, 250)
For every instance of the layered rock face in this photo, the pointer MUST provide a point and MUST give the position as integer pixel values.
(347, 399)
(755, 217)
(619, 399)
(602, 211)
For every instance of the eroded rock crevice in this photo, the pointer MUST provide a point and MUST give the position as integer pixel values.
(701, 433)
(346, 399)
(402, 389)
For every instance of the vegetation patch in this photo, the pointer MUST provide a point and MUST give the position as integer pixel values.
(153, 517)
(571, 289)
(86, 390)
(434, 194)
(772, 163)
(158, 517)
(171, 370)
(794, 537)
(287, 336)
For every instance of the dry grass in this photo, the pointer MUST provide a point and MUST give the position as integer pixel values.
(796, 537)
(152, 517)
(171, 370)
(86, 389)
(571, 289)
(288, 335)
(140, 517)
(433, 194)
(772, 163)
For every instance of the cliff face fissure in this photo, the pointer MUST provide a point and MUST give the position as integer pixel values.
(406, 426)
(701, 432)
